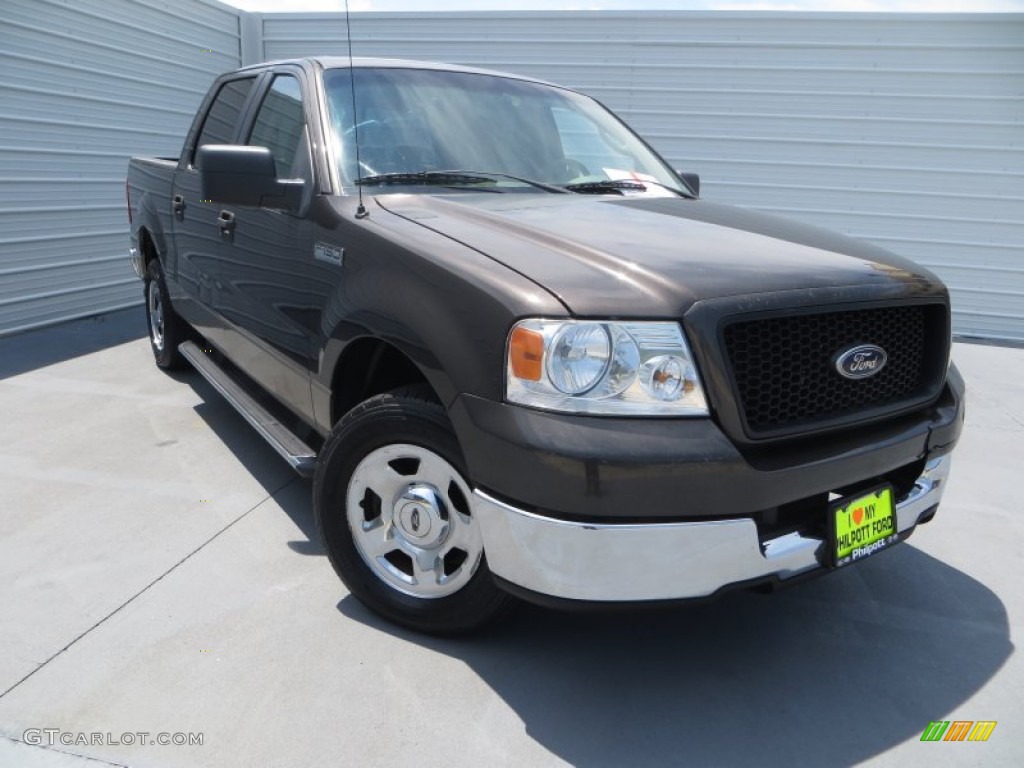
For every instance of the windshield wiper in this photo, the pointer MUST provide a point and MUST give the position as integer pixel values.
(617, 185)
(607, 185)
(453, 177)
(426, 177)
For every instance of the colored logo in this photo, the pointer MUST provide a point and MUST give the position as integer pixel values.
(959, 730)
(861, 362)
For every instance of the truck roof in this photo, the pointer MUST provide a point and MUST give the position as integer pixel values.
(343, 62)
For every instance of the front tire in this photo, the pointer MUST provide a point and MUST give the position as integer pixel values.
(393, 508)
(166, 329)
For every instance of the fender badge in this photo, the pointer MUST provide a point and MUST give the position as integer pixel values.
(332, 254)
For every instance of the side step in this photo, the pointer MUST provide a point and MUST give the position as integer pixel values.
(300, 456)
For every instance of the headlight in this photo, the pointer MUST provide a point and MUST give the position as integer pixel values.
(624, 368)
(579, 357)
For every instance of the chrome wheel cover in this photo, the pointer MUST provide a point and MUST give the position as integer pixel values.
(156, 316)
(409, 514)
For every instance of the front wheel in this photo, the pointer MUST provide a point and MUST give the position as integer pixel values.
(393, 508)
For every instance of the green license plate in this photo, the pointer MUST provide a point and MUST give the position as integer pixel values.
(862, 525)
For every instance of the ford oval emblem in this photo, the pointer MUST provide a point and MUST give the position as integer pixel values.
(861, 361)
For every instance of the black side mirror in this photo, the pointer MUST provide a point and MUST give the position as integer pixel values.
(240, 175)
(692, 180)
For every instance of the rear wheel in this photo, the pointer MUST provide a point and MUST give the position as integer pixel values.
(166, 329)
(394, 512)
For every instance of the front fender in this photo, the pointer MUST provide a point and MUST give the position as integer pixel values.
(446, 307)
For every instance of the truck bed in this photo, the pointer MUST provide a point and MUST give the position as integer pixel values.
(150, 182)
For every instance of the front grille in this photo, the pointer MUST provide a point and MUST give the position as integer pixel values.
(783, 368)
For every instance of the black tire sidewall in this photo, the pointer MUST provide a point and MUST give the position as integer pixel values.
(168, 357)
(386, 420)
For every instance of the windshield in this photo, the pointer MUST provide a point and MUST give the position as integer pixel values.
(416, 120)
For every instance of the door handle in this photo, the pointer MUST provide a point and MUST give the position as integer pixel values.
(178, 205)
(226, 222)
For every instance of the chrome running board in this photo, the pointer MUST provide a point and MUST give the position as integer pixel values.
(300, 456)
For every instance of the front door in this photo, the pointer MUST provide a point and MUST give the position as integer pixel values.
(263, 266)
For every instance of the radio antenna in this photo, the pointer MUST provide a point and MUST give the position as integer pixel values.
(361, 212)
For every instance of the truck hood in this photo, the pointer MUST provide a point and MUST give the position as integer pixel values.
(654, 257)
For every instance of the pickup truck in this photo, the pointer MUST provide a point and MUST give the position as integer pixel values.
(521, 358)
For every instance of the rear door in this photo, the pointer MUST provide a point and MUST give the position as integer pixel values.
(197, 237)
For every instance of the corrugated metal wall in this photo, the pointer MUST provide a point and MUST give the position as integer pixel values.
(903, 129)
(84, 85)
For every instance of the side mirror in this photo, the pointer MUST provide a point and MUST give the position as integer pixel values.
(240, 175)
(692, 180)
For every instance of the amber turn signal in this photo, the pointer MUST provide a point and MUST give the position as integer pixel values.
(526, 354)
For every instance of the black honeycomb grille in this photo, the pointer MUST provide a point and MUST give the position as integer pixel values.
(784, 367)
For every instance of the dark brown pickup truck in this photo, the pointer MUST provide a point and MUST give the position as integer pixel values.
(521, 357)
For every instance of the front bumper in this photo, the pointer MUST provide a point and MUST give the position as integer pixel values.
(614, 470)
(659, 561)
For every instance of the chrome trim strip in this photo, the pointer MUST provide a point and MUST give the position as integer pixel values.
(585, 561)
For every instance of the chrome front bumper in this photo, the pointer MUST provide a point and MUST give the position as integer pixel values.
(589, 561)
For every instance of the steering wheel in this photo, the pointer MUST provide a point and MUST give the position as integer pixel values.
(352, 128)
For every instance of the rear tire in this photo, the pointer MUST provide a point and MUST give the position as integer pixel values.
(166, 329)
(393, 509)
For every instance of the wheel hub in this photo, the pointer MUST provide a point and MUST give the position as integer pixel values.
(411, 523)
(421, 517)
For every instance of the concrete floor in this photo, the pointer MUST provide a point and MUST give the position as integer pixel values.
(160, 572)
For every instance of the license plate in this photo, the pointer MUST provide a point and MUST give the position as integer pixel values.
(862, 525)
